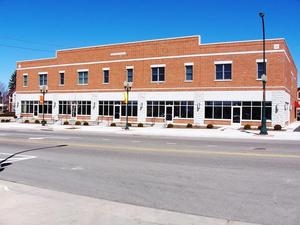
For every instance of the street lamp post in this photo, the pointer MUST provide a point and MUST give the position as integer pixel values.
(263, 129)
(127, 87)
(43, 90)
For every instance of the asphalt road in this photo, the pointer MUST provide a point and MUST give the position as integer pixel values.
(251, 181)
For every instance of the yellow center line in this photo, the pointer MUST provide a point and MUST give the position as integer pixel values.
(158, 149)
(190, 151)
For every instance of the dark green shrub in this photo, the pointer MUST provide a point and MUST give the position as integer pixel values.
(26, 121)
(247, 127)
(189, 125)
(140, 125)
(36, 121)
(85, 123)
(129, 124)
(170, 125)
(44, 121)
(210, 126)
(113, 124)
(77, 123)
(66, 122)
(277, 127)
(7, 120)
(3, 121)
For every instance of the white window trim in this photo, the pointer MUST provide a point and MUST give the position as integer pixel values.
(25, 74)
(105, 69)
(129, 67)
(83, 70)
(158, 65)
(60, 72)
(42, 73)
(223, 62)
(261, 60)
(185, 65)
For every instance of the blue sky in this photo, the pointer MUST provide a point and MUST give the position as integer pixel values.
(35, 29)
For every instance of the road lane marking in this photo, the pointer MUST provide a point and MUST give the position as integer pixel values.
(171, 143)
(16, 158)
(200, 152)
(36, 138)
(166, 150)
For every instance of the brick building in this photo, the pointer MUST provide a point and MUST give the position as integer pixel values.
(175, 80)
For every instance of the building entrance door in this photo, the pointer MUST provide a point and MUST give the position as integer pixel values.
(73, 110)
(117, 112)
(36, 109)
(169, 114)
(236, 115)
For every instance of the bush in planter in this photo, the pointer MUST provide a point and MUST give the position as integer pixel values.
(210, 126)
(85, 123)
(36, 121)
(26, 121)
(113, 124)
(66, 122)
(247, 127)
(277, 127)
(189, 125)
(170, 125)
(77, 123)
(140, 125)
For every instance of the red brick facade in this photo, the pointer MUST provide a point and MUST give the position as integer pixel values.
(173, 53)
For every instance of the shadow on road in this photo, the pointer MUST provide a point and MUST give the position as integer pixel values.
(4, 164)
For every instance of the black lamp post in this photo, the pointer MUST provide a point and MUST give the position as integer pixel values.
(43, 90)
(263, 129)
(127, 87)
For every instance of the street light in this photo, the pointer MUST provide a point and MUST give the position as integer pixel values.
(43, 90)
(127, 87)
(263, 128)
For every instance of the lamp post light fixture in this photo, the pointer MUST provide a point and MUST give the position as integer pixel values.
(127, 87)
(43, 90)
(263, 128)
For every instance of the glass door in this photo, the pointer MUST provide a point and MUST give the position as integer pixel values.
(117, 112)
(169, 114)
(236, 115)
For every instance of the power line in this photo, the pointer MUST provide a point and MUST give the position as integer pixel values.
(27, 41)
(25, 48)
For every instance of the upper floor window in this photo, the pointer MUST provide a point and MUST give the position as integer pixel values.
(83, 77)
(105, 75)
(43, 79)
(223, 70)
(260, 68)
(25, 80)
(158, 73)
(61, 78)
(129, 77)
(188, 72)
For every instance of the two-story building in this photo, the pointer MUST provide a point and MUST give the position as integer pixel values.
(175, 80)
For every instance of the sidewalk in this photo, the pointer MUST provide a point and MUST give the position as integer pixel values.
(223, 132)
(27, 205)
